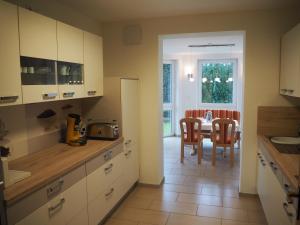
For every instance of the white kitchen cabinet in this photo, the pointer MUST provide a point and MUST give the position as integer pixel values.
(104, 183)
(272, 195)
(65, 209)
(100, 179)
(93, 65)
(70, 49)
(69, 43)
(37, 35)
(10, 79)
(39, 216)
(70, 91)
(130, 125)
(104, 202)
(290, 63)
(39, 93)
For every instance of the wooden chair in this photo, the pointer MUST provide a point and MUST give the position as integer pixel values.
(191, 135)
(223, 135)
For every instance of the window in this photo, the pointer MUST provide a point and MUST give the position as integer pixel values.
(168, 98)
(217, 83)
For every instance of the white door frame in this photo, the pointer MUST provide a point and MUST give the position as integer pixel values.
(160, 74)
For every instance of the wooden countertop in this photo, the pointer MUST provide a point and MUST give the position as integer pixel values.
(51, 163)
(288, 163)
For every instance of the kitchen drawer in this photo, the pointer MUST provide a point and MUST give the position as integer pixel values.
(75, 200)
(100, 206)
(100, 160)
(131, 167)
(271, 162)
(32, 202)
(101, 179)
(62, 209)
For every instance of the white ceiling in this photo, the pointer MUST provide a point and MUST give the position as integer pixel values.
(180, 45)
(115, 10)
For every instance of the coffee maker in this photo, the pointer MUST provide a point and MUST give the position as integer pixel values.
(75, 131)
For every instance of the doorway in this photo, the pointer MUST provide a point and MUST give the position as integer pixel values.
(209, 76)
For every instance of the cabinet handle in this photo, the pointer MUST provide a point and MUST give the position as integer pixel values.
(55, 188)
(285, 207)
(127, 142)
(6, 99)
(49, 96)
(68, 94)
(128, 153)
(52, 209)
(107, 155)
(107, 195)
(286, 187)
(272, 164)
(92, 92)
(108, 169)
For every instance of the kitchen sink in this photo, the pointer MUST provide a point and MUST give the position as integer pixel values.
(287, 145)
(286, 140)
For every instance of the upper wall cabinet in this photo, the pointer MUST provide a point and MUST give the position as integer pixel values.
(37, 35)
(10, 80)
(70, 43)
(93, 65)
(290, 63)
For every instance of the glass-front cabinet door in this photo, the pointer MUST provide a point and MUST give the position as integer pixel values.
(70, 80)
(38, 77)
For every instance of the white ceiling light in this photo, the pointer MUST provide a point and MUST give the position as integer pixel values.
(230, 79)
(217, 79)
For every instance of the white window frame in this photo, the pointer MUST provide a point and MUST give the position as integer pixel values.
(232, 105)
(171, 106)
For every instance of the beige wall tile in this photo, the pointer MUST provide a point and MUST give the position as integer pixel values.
(27, 134)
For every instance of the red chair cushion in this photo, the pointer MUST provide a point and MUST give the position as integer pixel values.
(232, 114)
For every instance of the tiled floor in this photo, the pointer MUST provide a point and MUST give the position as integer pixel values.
(191, 195)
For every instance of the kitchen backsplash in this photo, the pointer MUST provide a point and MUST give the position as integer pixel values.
(27, 133)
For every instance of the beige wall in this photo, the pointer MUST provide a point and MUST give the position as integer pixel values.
(61, 12)
(263, 31)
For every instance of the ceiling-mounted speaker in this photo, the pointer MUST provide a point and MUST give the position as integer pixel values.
(132, 35)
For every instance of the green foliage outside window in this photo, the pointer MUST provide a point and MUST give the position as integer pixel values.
(217, 82)
(167, 83)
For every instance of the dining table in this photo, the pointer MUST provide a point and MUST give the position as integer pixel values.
(206, 126)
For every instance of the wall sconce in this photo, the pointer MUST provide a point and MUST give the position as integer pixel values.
(190, 77)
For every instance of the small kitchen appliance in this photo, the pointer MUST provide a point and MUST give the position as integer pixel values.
(75, 130)
(103, 130)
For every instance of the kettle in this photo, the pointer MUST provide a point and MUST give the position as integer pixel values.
(74, 136)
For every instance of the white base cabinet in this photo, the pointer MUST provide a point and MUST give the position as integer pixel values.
(66, 208)
(272, 195)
